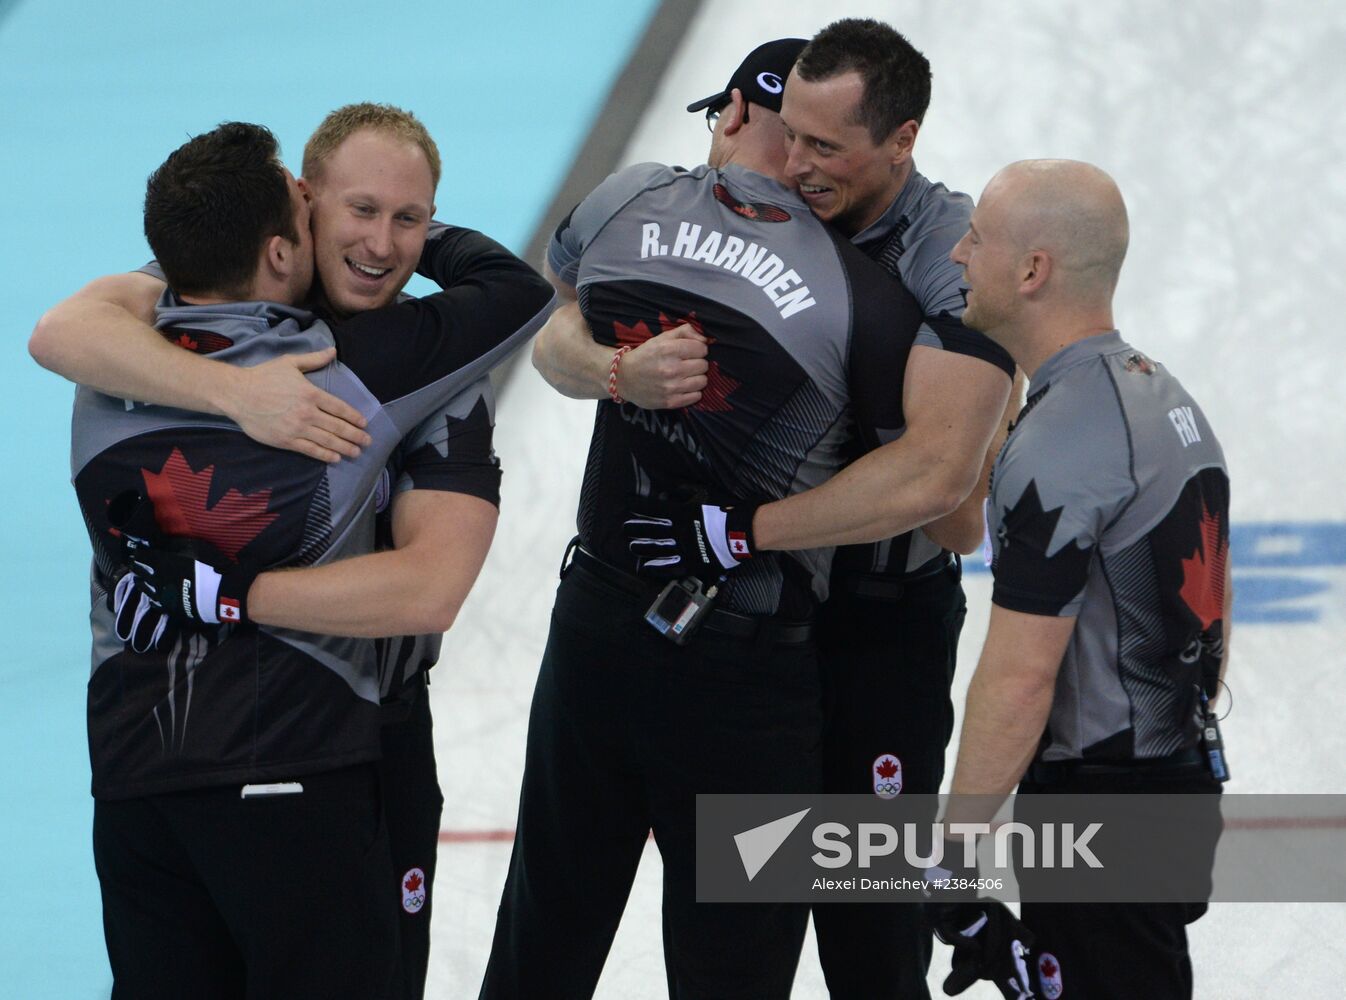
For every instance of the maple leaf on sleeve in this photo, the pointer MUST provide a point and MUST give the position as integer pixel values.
(1203, 573)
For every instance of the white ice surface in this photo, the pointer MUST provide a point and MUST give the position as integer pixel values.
(1223, 124)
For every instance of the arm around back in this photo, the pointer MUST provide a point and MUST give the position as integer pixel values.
(666, 372)
(962, 530)
(953, 403)
(102, 337)
(416, 588)
(490, 303)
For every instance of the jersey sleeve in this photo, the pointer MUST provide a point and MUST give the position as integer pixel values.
(1052, 497)
(450, 451)
(947, 333)
(937, 283)
(935, 280)
(886, 320)
(491, 302)
(578, 229)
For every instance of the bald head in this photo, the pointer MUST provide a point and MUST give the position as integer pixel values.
(1072, 210)
(1041, 257)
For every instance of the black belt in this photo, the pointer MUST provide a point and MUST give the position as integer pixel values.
(877, 586)
(728, 623)
(1183, 763)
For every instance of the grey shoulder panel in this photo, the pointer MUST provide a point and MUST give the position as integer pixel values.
(1171, 439)
(1074, 448)
(589, 217)
(935, 280)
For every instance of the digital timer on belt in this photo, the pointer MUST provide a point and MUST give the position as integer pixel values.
(680, 607)
(1212, 744)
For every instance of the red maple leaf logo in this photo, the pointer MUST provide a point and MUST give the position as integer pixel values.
(198, 341)
(413, 882)
(715, 396)
(179, 496)
(756, 211)
(1047, 967)
(1203, 574)
(667, 323)
(886, 768)
(631, 336)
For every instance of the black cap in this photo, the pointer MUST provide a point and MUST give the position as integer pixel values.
(761, 76)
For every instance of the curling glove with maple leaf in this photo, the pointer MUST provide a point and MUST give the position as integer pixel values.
(672, 539)
(170, 579)
(191, 586)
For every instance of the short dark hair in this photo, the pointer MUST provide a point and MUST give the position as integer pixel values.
(896, 76)
(211, 206)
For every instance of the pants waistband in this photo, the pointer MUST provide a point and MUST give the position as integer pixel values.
(879, 586)
(728, 623)
(1183, 763)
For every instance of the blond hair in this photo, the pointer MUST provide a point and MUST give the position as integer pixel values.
(344, 122)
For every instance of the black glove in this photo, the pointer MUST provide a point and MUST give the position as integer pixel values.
(138, 623)
(189, 589)
(171, 576)
(989, 942)
(673, 539)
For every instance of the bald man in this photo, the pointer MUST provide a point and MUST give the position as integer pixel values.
(1107, 637)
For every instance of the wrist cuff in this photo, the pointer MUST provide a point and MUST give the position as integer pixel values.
(738, 529)
(729, 531)
(232, 601)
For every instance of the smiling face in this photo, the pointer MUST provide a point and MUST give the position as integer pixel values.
(843, 175)
(372, 200)
(990, 256)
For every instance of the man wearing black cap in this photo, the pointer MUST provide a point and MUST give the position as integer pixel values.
(648, 696)
(852, 106)
(758, 77)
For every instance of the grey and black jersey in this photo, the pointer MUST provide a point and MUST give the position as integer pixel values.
(253, 703)
(1110, 502)
(912, 240)
(790, 309)
(448, 452)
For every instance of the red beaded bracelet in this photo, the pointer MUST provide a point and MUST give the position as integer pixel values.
(612, 374)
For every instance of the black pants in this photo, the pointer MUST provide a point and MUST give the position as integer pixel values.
(887, 667)
(1119, 951)
(626, 728)
(214, 897)
(412, 805)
